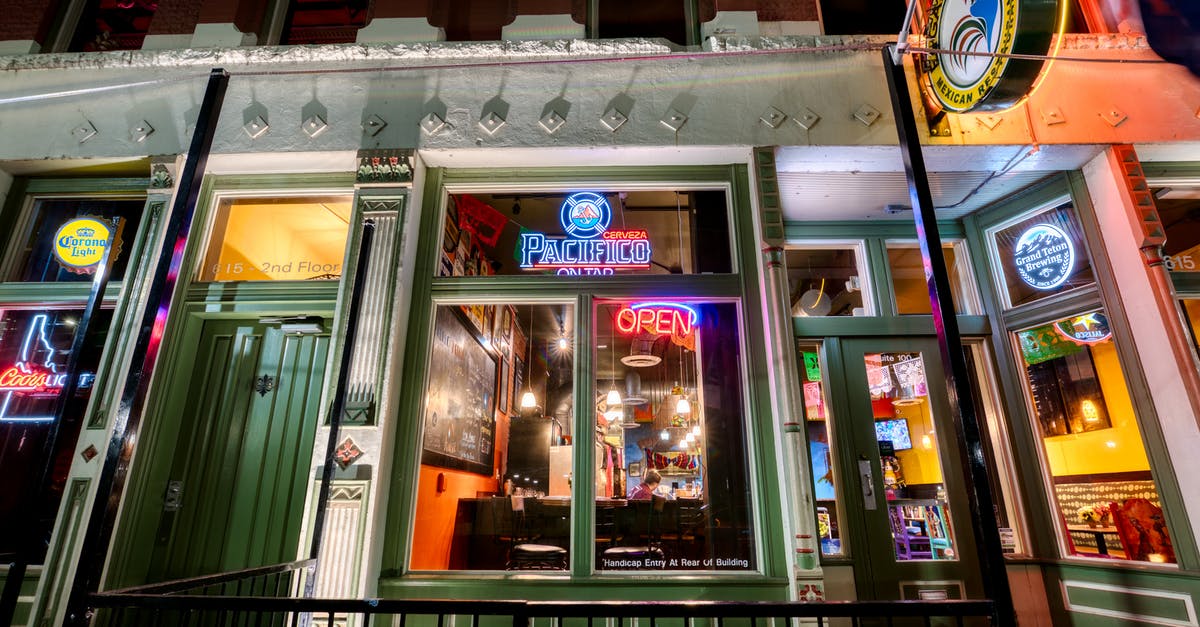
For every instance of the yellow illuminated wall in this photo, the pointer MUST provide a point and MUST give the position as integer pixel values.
(1119, 449)
(278, 239)
(920, 465)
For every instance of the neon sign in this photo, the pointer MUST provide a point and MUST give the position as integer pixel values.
(33, 376)
(1044, 256)
(674, 319)
(588, 248)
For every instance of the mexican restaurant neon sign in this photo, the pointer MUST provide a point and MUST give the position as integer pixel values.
(589, 247)
(674, 319)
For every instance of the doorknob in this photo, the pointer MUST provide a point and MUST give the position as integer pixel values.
(867, 477)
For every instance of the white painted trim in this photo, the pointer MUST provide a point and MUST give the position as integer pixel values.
(1104, 587)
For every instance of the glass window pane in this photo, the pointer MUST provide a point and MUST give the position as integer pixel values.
(672, 476)
(825, 282)
(1191, 315)
(278, 239)
(820, 450)
(32, 257)
(1179, 210)
(1106, 496)
(586, 233)
(996, 450)
(908, 279)
(1042, 255)
(34, 348)
(909, 457)
(324, 21)
(113, 25)
(494, 491)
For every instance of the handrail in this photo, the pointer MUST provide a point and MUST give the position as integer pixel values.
(203, 581)
(545, 609)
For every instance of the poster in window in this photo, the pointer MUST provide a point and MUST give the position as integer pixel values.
(460, 419)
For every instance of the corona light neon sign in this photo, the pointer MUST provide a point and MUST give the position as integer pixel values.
(588, 248)
(674, 319)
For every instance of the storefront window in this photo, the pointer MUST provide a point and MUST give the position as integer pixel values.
(910, 287)
(1107, 499)
(494, 491)
(1179, 211)
(826, 281)
(32, 253)
(1191, 316)
(1042, 255)
(671, 472)
(34, 348)
(820, 450)
(278, 239)
(587, 233)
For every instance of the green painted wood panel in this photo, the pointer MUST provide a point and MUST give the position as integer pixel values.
(242, 456)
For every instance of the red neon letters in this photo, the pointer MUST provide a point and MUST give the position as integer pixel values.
(661, 319)
(13, 380)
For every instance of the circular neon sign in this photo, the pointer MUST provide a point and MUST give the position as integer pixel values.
(585, 215)
(1044, 256)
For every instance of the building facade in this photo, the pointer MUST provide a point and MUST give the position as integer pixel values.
(643, 314)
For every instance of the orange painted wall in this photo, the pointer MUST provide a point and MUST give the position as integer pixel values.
(434, 528)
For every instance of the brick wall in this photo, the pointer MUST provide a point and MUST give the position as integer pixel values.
(176, 17)
(27, 19)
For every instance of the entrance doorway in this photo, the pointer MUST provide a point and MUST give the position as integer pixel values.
(240, 466)
(901, 473)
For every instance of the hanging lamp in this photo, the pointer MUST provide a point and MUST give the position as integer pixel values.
(528, 400)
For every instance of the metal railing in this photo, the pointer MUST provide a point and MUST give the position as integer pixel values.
(261, 596)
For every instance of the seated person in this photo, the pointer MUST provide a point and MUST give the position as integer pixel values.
(650, 486)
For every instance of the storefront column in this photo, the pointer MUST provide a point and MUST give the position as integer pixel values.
(795, 479)
(62, 557)
(1145, 298)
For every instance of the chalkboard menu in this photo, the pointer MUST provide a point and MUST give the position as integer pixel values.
(460, 403)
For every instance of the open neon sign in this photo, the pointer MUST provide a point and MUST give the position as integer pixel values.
(588, 248)
(674, 319)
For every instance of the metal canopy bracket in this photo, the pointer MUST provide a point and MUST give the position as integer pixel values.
(991, 556)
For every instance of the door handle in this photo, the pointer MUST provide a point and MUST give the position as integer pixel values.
(867, 477)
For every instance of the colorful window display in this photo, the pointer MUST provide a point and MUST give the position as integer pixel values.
(1106, 496)
(671, 472)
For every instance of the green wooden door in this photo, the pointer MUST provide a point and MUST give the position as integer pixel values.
(241, 465)
(903, 471)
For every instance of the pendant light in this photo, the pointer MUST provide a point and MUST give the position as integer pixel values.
(683, 407)
(614, 396)
(528, 400)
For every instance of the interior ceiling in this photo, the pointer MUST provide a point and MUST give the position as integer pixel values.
(856, 183)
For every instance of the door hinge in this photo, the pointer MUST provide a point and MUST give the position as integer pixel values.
(173, 499)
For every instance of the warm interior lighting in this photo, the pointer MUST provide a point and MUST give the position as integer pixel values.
(614, 398)
(563, 344)
(1090, 413)
(613, 415)
(664, 436)
(690, 438)
(528, 400)
(1157, 558)
(926, 441)
(683, 407)
(696, 430)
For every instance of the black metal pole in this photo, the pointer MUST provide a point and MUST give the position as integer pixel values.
(31, 531)
(145, 354)
(979, 494)
(339, 399)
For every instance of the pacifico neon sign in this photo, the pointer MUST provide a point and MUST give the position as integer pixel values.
(673, 319)
(588, 248)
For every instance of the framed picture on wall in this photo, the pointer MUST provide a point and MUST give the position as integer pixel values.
(460, 407)
(502, 387)
(518, 380)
